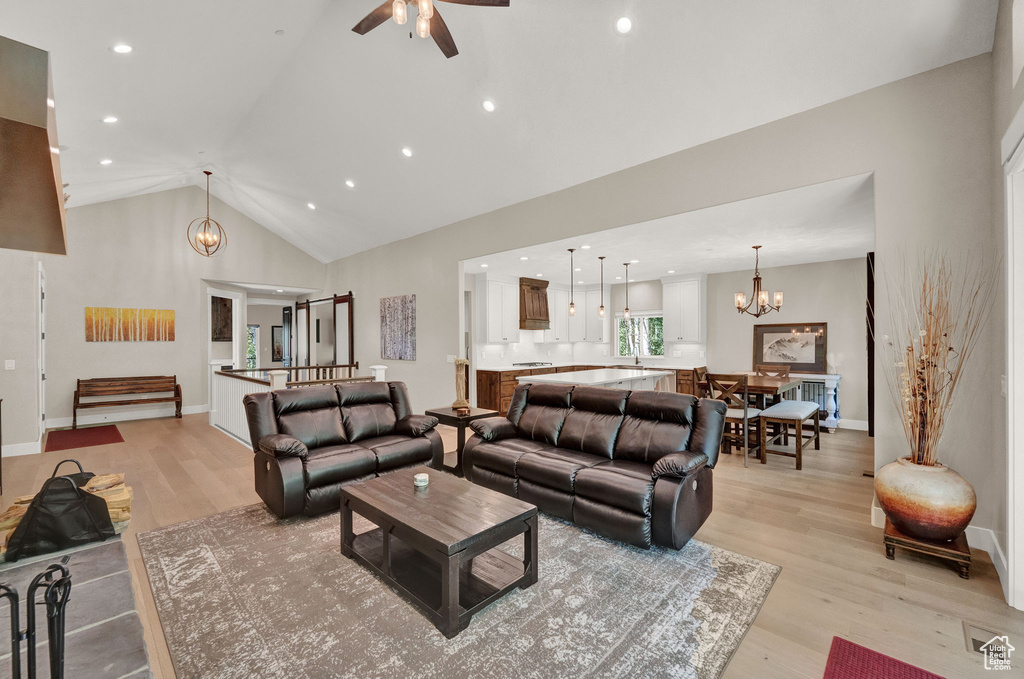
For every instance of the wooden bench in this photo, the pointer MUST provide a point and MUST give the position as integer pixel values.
(123, 386)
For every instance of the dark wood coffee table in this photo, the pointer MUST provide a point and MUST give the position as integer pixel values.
(437, 545)
(448, 416)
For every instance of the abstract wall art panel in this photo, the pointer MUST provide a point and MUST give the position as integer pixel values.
(107, 324)
(220, 319)
(398, 327)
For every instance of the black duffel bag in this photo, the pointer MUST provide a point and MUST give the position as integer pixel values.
(61, 515)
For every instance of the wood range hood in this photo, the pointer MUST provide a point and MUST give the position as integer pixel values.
(533, 304)
(31, 192)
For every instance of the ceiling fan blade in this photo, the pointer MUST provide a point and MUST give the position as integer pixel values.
(374, 18)
(481, 3)
(442, 36)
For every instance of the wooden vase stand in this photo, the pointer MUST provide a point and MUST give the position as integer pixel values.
(956, 550)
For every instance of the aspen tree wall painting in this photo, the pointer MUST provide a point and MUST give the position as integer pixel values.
(107, 324)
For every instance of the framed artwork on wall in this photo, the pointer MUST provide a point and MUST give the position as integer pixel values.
(106, 324)
(801, 346)
(277, 343)
(220, 319)
(398, 327)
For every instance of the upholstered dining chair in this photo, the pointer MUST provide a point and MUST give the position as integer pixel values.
(740, 416)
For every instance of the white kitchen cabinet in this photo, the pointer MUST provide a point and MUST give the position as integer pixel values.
(578, 323)
(558, 314)
(502, 312)
(681, 302)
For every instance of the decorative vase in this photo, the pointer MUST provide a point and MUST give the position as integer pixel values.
(925, 502)
(460, 384)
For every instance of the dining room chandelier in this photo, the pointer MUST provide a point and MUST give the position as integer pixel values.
(206, 235)
(759, 299)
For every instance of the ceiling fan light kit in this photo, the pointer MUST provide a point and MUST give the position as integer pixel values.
(429, 23)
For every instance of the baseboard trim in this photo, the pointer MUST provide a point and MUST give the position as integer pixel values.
(977, 537)
(27, 448)
(858, 425)
(126, 413)
(230, 435)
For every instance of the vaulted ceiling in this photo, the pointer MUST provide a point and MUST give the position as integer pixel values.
(284, 120)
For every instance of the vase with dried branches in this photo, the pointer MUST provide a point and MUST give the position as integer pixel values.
(937, 314)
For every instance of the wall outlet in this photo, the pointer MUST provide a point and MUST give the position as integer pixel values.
(9, 364)
(702, 354)
(451, 358)
(604, 351)
(677, 353)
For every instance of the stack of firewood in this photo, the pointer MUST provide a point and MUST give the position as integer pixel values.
(110, 487)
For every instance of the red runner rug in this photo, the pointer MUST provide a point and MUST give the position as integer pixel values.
(848, 660)
(66, 439)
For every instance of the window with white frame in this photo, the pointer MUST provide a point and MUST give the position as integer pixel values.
(640, 335)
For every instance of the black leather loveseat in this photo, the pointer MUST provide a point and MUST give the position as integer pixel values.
(633, 466)
(310, 441)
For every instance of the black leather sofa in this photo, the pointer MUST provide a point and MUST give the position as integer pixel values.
(310, 441)
(632, 466)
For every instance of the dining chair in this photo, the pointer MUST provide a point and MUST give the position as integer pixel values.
(739, 417)
(772, 370)
(700, 381)
(760, 401)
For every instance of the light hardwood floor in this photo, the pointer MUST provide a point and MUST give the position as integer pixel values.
(835, 579)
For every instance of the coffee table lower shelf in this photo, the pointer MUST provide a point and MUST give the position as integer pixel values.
(421, 578)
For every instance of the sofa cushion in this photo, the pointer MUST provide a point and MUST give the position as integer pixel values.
(555, 468)
(307, 398)
(542, 423)
(623, 489)
(333, 464)
(358, 393)
(368, 420)
(315, 428)
(502, 456)
(590, 432)
(613, 522)
(639, 470)
(398, 451)
(657, 423)
(554, 395)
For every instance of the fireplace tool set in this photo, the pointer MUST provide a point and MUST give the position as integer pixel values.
(55, 583)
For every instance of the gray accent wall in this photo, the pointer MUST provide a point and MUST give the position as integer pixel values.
(928, 139)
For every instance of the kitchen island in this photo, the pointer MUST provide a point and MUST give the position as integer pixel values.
(616, 378)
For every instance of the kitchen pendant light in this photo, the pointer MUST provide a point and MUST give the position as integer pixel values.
(572, 296)
(206, 236)
(399, 12)
(600, 309)
(625, 311)
(758, 297)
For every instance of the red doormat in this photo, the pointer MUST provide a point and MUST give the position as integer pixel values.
(66, 439)
(847, 660)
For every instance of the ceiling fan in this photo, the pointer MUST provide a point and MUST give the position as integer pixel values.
(428, 22)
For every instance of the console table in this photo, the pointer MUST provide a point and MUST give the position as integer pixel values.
(830, 399)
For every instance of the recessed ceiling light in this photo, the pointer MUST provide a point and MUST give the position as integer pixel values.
(488, 105)
(311, 206)
(523, 259)
(350, 184)
(484, 266)
(631, 280)
(407, 152)
(106, 161)
(280, 290)
(577, 269)
(672, 271)
(540, 275)
(634, 261)
(110, 119)
(579, 282)
(618, 278)
(624, 25)
(585, 247)
(122, 48)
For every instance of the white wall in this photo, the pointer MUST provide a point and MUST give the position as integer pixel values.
(643, 296)
(132, 253)
(829, 292)
(19, 341)
(929, 141)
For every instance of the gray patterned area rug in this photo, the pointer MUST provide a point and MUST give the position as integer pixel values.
(243, 594)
